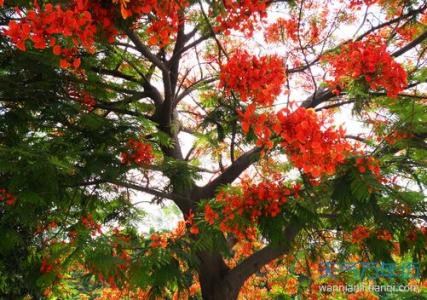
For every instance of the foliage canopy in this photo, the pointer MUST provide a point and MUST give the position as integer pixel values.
(229, 109)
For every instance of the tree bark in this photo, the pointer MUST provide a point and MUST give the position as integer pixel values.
(212, 277)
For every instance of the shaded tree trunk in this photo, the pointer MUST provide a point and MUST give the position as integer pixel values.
(212, 277)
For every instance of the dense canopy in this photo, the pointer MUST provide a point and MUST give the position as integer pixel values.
(288, 137)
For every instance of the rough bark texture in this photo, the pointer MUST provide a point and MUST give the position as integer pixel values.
(213, 280)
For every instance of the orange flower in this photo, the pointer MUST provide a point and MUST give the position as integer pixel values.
(194, 230)
(158, 241)
(210, 214)
(384, 235)
(179, 230)
(291, 286)
(138, 152)
(359, 234)
(123, 8)
(281, 30)
(194, 289)
(367, 60)
(8, 198)
(259, 79)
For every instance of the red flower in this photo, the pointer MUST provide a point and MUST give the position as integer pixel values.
(90, 223)
(310, 145)
(369, 163)
(158, 241)
(241, 15)
(259, 79)
(194, 229)
(281, 30)
(256, 200)
(138, 153)
(384, 235)
(359, 234)
(370, 62)
(358, 3)
(8, 198)
(210, 214)
(46, 267)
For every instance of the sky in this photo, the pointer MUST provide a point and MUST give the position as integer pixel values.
(166, 216)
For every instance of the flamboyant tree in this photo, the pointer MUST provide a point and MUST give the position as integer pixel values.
(229, 109)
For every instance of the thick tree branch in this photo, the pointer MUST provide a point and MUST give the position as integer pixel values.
(164, 112)
(191, 45)
(338, 104)
(176, 56)
(253, 263)
(411, 45)
(318, 97)
(228, 176)
(144, 50)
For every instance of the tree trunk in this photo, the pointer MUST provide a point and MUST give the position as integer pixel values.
(218, 291)
(212, 277)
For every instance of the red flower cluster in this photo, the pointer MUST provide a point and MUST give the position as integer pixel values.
(241, 15)
(256, 200)
(83, 97)
(47, 266)
(282, 29)
(63, 29)
(358, 3)
(124, 257)
(189, 221)
(359, 234)
(210, 214)
(8, 198)
(79, 22)
(164, 17)
(257, 78)
(369, 163)
(396, 136)
(368, 61)
(138, 153)
(163, 239)
(158, 241)
(408, 32)
(362, 232)
(384, 235)
(417, 232)
(261, 124)
(310, 145)
(89, 223)
(88, 101)
(163, 28)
